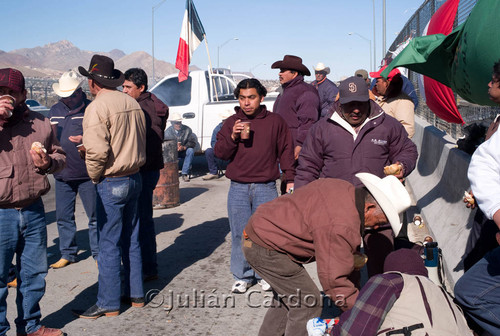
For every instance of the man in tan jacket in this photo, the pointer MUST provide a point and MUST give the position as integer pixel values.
(114, 136)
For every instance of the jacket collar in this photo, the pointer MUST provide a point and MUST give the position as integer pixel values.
(293, 82)
(375, 112)
(261, 113)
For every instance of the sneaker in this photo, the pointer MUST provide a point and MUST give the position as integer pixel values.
(185, 178)
(264, 285)
(240, 287)
(210, 177)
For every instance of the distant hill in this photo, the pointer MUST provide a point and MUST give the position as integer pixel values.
(52, 59)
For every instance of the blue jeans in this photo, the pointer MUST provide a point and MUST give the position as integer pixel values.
(117, 221)
(214, 163)
(23, 233)
(147, 234)
(478, 292)
(187, 156)
(66, 192)
(242, 201)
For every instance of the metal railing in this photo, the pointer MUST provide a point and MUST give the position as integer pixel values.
(414, 27)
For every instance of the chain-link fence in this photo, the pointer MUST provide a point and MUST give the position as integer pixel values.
(414, 27)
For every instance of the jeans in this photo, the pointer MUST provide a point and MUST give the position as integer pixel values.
(187, 157)
(66, 192)
(242, 201)
(478, 292)
(214, 163)
(117, 222)
(296, 299)
(23, 233)
(147, 234)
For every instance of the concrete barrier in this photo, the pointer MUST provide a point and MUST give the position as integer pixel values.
(438, 184)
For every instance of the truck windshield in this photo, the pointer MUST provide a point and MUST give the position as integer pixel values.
(173, 93)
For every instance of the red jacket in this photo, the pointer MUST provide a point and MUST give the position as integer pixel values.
(256, 160)
(317, 222)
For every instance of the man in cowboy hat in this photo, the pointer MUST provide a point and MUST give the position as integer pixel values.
(358, 137)
(114, 135)
(326, 88)
(156, 114)
(298, 104)
(320, 222)
(67, 116)
(186, 142)
(22, 214)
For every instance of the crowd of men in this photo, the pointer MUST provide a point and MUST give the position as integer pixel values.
(341, 153)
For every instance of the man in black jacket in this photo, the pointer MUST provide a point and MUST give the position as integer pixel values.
(66, 117)
(156, 113)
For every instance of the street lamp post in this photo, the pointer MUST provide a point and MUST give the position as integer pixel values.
(370, 42)
(223, 44)
(374, 39)
(153, 35)
(255, 66)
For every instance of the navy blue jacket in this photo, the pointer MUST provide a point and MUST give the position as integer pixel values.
(68, 113)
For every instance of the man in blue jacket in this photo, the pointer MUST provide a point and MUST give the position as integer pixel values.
(66, 117)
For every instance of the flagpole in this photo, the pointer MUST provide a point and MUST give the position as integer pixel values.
(210, 67)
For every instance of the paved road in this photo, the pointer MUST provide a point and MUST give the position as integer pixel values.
(193, 292)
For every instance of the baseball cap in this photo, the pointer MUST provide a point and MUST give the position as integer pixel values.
(12, 79)
(353, 89)
(361, 73)
(393, 73)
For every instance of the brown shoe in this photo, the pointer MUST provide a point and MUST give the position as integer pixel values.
(12, 284)
(61, 263)
(44, 331)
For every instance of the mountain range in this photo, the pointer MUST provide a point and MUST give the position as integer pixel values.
(51, 60)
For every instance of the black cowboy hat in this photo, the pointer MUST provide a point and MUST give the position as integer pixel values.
(102, 70)
(291, 62)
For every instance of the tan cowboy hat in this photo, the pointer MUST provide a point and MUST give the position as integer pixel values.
(175, 117)
(291, 62)
(68, 83)
(226, 114)
(390, 194)
(321, 67)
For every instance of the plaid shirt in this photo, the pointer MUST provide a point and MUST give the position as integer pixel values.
(373, 303)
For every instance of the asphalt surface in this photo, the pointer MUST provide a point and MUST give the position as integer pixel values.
(192, 295)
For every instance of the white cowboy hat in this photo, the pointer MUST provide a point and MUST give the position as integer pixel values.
(68, 83)
(321, 67)
(226, 114)
(390, 194)
(175, 117)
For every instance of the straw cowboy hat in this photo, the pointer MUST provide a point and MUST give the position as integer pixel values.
(175, 117)
(291, 62)
(226, 114)
(68, 83)
(390, 194)
(102, 70)
(321, 67)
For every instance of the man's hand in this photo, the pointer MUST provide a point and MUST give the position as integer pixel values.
(76, 139)
(237, 128)
(40, 160)
(289, 186)
(469, 200)
(6, 109)
(401, 173)
(296, 152)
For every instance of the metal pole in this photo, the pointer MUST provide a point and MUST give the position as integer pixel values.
(374, 40)
(383, 30)
(220, 47)
(371, 64)
(153, 36)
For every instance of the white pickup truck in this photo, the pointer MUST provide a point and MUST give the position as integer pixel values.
(201, 99)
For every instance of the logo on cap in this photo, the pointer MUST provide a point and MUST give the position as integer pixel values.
(353, 88)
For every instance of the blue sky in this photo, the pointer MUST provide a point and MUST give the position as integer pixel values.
(316, 30)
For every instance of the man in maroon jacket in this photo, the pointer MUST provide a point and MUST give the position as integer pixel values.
(156, 113)
(320, 222)
(253, 167)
